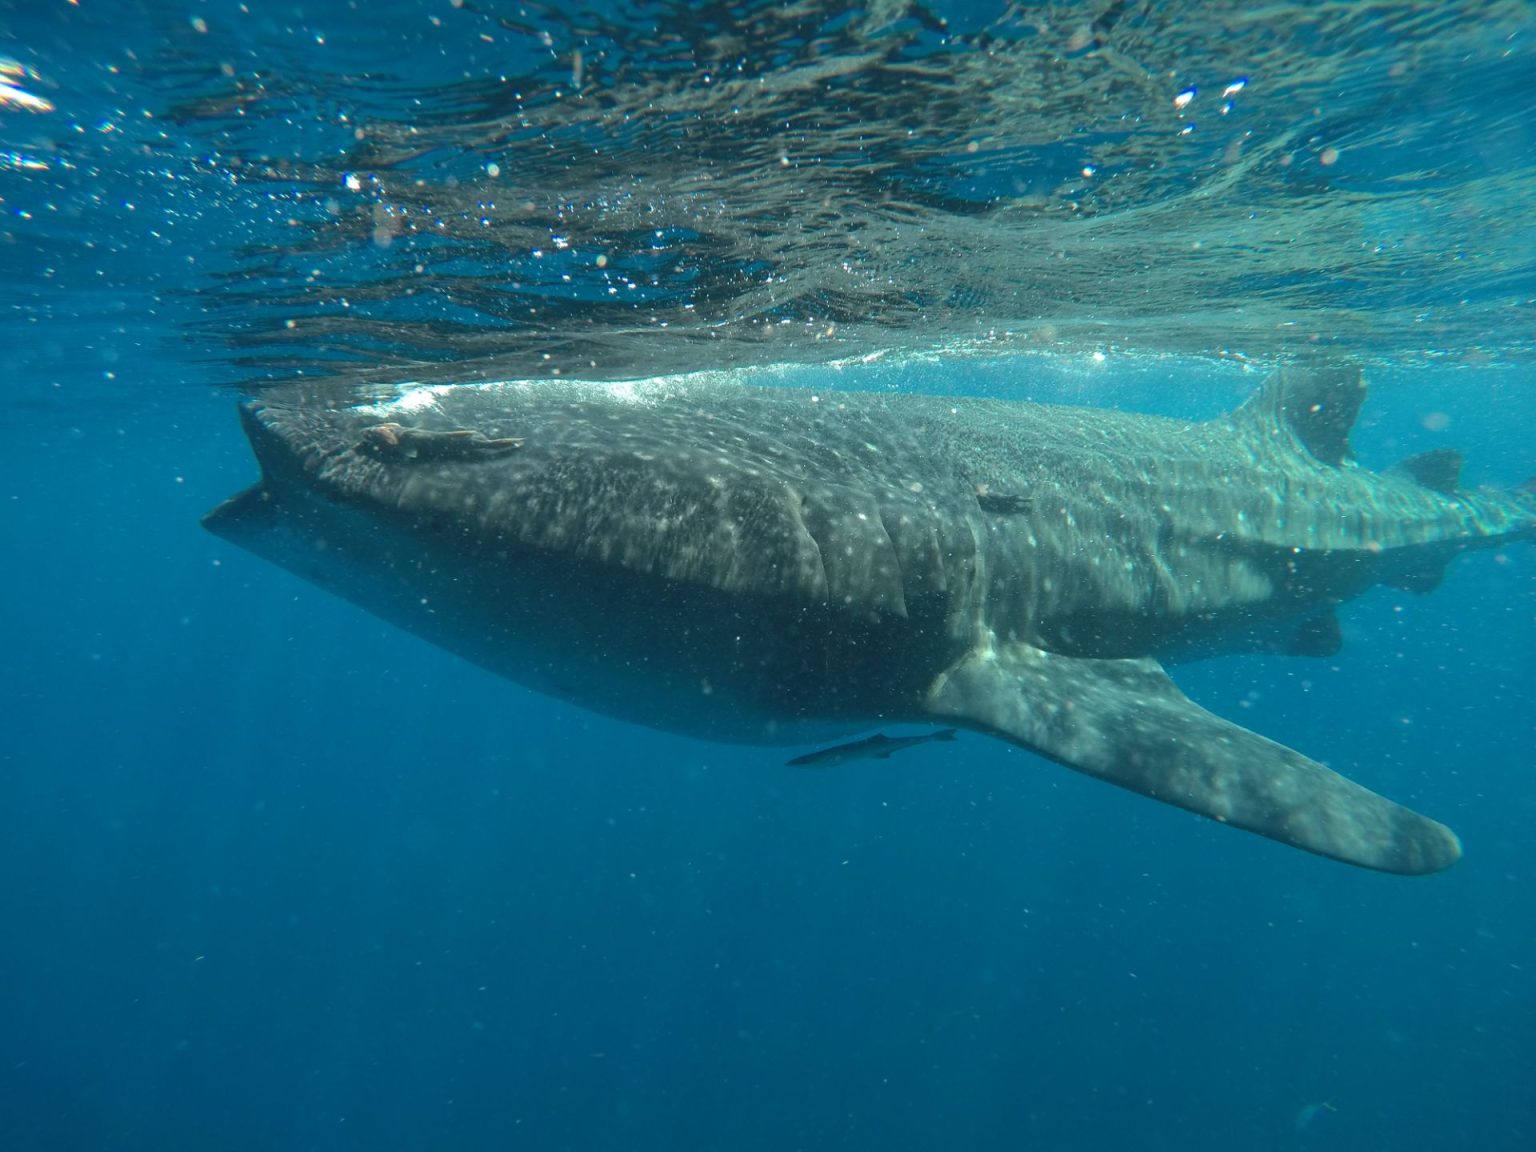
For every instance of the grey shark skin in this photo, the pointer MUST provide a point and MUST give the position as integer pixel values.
(767, 565)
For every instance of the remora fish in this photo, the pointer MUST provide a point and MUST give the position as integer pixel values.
(876, 747)
(764, 565)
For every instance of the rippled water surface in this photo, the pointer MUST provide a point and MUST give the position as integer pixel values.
(636, 187)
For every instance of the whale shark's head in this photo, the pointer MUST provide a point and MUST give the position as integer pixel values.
(641, 559)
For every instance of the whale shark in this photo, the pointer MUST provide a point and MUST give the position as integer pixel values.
(753, 563)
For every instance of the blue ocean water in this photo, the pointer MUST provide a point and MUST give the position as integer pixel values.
(275, 875)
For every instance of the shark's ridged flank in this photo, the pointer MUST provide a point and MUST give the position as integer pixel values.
(767, 565)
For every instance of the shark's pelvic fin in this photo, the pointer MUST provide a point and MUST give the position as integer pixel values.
(1316, 405)
(1318, 636)
(1126, 722)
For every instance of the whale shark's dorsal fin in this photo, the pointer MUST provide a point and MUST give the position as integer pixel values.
(1126, 722)
(1316, 405)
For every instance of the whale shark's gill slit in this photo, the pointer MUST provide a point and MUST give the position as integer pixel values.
(795, 506)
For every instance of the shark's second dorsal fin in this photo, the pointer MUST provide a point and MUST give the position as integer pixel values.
(1439, 469)
(1318, 406)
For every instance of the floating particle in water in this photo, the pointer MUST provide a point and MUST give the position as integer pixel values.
(1307, 1114)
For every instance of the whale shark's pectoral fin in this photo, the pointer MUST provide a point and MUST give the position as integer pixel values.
(1126, 722)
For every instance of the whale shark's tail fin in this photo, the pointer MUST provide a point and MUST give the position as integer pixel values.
(1313, 408)
(1126, 722)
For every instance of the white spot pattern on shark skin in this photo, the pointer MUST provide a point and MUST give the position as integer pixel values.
(849, 590)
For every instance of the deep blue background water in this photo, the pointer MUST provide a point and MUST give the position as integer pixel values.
(276, 875)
